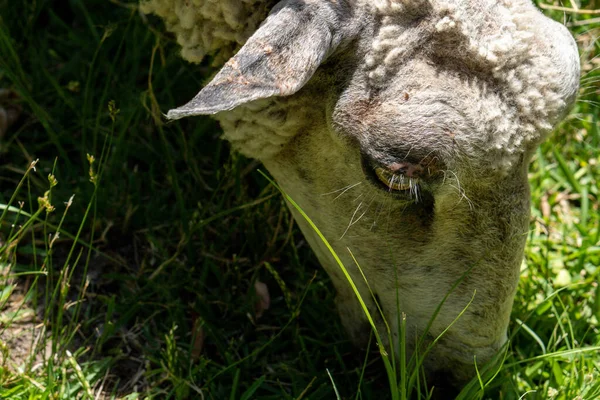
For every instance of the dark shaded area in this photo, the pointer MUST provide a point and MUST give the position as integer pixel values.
(181, 228)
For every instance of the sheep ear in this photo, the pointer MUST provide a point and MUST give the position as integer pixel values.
(277, 60)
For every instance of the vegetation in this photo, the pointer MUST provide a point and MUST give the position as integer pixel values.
(140, 259)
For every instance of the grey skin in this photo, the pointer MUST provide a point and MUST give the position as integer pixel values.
(449, 98)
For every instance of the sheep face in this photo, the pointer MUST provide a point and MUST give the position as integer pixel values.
(404, 130)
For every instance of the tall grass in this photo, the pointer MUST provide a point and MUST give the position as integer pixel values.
(134, 274)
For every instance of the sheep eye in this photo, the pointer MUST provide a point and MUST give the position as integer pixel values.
(396, 182)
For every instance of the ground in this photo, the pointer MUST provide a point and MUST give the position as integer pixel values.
(155, 285)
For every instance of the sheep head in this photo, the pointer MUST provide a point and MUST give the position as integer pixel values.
(404, 129)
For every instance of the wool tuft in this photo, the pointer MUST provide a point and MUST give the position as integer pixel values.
(209, 27)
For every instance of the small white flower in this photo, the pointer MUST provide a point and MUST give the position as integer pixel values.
(563, 278)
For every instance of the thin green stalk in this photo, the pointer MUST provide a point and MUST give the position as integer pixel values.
(6, 207)
(384, 355)
(337, 394)
(96, 179)
(403, 371)
(433, 343)
(387, 326)
(364, 366)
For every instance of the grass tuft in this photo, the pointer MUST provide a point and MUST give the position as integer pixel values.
(130, 249)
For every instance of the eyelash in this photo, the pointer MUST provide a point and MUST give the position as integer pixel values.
(395, 182)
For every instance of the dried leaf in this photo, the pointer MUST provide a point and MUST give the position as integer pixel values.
(264, 299)
(198, 338)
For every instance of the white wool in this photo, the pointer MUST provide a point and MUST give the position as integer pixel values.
(500, 42)
(508, 50)
(215, 27)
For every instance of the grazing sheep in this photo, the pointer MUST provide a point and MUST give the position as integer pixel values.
(404, 129)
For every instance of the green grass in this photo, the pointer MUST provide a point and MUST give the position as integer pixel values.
(149, 289)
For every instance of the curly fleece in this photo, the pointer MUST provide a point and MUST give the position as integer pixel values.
(504, 48)
(209, 27)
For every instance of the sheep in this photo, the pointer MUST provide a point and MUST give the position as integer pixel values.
(404, 129)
